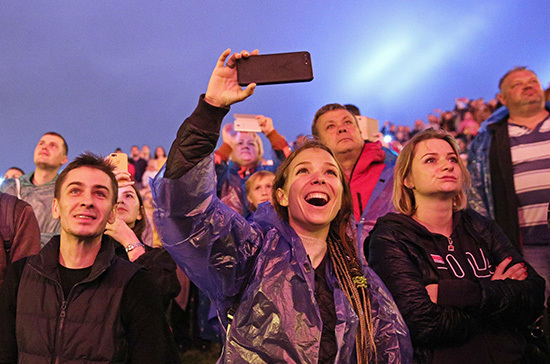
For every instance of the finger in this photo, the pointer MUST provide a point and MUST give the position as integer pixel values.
(515, 269)
(249, 90)
(255, 52)
(502, 266)
(223, 57)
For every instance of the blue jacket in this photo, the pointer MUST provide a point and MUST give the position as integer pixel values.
(265, 263)
(490, 165)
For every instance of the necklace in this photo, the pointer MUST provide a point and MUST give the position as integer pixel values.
(450, 247)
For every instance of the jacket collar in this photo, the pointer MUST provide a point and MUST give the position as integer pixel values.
(46, 262)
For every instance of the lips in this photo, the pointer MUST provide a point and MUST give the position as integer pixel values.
(317, 198)
(84, 216)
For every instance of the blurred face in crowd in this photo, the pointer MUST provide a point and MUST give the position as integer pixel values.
(135, 153)
(521, 88)
(246, 151)
(50, 152)
(12, 173)
(85, 203)
(312, 191)
(128, 207)
(338, 130)
(260, 191)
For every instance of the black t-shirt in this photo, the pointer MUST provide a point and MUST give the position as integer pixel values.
(325, 299)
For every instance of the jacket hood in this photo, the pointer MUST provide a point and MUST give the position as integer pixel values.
(406, 224)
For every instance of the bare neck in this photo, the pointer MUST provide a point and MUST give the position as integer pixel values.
(435, 215)
(42, 176)
(348, 160)
(315, 243)
(75, 253)
(528, 117)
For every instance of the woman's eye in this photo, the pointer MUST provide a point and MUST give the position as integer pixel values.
(301, 170)
(429, 160)
(453, 159)
(332, 172)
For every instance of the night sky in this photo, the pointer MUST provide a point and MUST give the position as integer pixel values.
(109, 74)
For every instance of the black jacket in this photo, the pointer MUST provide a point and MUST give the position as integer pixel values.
(475, 319)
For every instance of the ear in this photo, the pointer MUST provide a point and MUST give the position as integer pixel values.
(408, 183)
(55, 208)
(112, 215)
(501, 98)
(65, 160)
(282, 198)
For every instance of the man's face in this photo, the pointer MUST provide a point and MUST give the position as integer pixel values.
(135, 152)
(49, 152)
(85, 203)
(521, 88)
(339, 131)
(245, 152)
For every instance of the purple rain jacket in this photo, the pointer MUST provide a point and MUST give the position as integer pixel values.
(277, 319)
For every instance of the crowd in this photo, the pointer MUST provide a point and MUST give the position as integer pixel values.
(423, 245)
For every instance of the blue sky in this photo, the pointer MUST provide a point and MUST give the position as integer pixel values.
(113, 74)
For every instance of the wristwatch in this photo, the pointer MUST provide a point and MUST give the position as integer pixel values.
(131, 247)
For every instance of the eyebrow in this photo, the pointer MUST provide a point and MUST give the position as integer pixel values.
(80, 184)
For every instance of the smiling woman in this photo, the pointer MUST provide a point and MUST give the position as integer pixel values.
(288, 286)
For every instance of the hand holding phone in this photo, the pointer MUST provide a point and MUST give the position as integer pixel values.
(369, 128)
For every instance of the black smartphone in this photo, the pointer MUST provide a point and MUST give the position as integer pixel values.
(267, 69)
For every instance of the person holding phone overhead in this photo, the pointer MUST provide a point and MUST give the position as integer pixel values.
(289, 286)
(466, 293)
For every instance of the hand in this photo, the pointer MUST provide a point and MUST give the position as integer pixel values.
(266, 124)
(124, 178)
(227, 134)
(432, 291)
(223, 88)
(517, 272)
(121, 232)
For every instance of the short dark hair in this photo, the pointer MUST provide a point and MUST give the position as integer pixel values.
(89, 160)
(324, 110)
(65, 146)
(515, 69)
(353, 109)
(16, 168)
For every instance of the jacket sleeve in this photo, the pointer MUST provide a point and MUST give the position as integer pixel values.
(195, 140)
(516, 303)
(478, 198)
(430, 324)
(27, 233)
(279, 144)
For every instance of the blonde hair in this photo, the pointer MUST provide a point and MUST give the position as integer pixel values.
(403, 197)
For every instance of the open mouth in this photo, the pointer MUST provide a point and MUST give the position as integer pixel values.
(317, 199)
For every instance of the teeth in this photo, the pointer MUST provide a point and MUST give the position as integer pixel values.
(317, 198)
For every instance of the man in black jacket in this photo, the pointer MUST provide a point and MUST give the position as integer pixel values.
(76, 300)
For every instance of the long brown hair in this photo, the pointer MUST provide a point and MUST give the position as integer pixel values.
(141, 224)
(343, 254)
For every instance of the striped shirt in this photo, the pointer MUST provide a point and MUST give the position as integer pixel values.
(530, 150)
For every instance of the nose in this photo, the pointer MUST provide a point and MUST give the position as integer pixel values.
(87, 200)
(448, 166)
(318, 179)
(342, 129)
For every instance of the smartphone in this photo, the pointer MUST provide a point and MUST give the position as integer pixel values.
(119, 160)
(246, 122)
(368, 127)
(267, 69)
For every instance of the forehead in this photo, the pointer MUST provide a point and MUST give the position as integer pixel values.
(519, 75)
(438, 146)
(315, 157)
(126, 189)
(245, 137)
(264, 179)
(334, 115)
(49, 138)
(89, 177)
